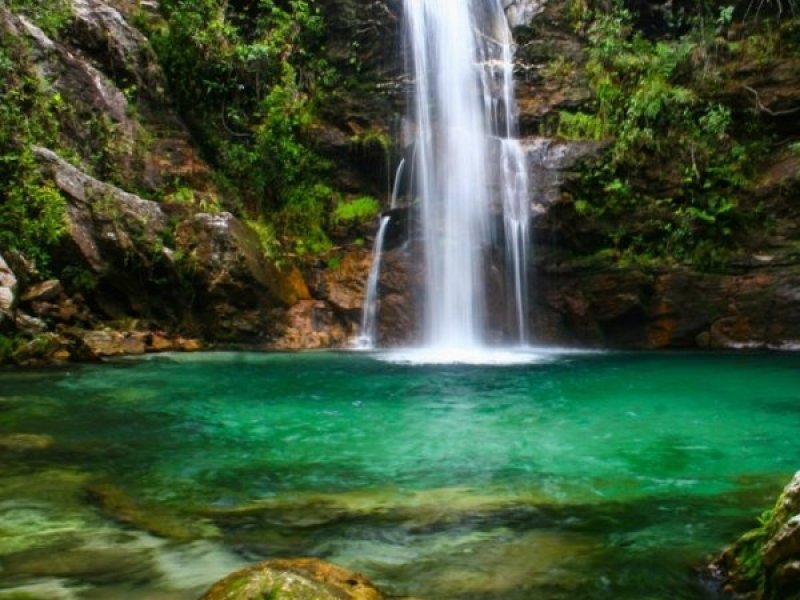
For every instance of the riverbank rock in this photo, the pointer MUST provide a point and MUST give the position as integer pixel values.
(765, 563)
(295, 579)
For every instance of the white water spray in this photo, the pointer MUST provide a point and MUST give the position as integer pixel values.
(468, 165)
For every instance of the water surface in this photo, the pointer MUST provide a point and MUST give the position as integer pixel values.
(573, 476)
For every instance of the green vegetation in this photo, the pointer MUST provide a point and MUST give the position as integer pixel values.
(33, 212)
(258, 77)
(7, 347)
(357, 210)
(52, 16)
(680, 161)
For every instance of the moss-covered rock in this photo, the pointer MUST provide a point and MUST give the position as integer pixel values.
(764, 564)
(295, 579)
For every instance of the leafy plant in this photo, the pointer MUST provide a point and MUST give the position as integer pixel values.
(357, 210)
(675, 168)
(259, 74)
(33, 211)
(51, 16)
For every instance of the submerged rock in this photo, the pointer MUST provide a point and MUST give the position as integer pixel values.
(764, 564)
(295, 579)
(24, 442)
(156, 520)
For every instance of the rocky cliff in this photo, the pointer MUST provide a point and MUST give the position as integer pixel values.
(149, 258)
(155, 253)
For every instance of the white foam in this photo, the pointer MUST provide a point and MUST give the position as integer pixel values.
(489, 356)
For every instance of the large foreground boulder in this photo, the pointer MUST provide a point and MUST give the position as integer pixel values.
(295, 579)
(765, 563)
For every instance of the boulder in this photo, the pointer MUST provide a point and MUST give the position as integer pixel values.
(8, 291)
(311, 324)
(238, 288)
(103, 32)
(343, 285)
(44, 291)
(106, 225)
(28, 324)
(42, 349)
(522, 12)
(295, 579)
(104, 343)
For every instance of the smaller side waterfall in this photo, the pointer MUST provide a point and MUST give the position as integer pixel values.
(369, 318)
(396, 187)
(516, 221)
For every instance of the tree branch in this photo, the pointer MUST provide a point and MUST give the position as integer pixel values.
(769, 111)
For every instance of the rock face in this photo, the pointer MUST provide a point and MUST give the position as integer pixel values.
(213, 259)
(107, 75)
(297, 579)
(765, 563)
(236, 287)
(668, 307)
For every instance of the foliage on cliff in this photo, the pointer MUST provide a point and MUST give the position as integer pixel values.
(683, 153)
(249, 76)
(32, 211)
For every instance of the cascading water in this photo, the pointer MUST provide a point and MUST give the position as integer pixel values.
(468, 165)
(366, 339)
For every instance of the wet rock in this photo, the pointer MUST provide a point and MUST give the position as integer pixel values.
(764, 564)
(429, 509)
(550, 163)
(400, 288)
(343, 285)
(188, 345)
(8, 291)
(295, 579)
(159, 343)
(522, 12)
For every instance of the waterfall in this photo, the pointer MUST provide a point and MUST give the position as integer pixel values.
(468, 166)
(369, 317)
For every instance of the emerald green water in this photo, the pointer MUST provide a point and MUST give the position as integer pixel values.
(577, 476)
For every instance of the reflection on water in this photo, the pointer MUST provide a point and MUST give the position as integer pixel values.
(579, 476)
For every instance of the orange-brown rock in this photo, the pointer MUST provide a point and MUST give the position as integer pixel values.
(294, 579)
